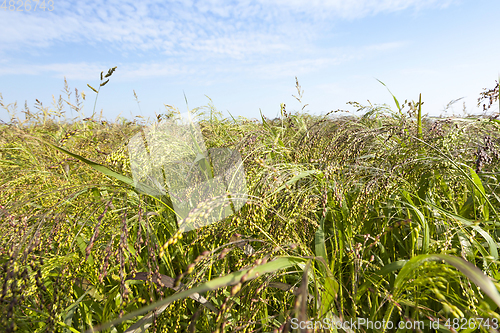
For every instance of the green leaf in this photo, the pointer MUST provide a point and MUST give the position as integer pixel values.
(68, 327)
(457, 165)
(296, 178)
(393, 266)
(469, 270)
(419, 117)
(482, 197)
(108, 172)
(395, 99)
(491, 242)
(319, 242)
(228, 280)
(421, 218)
(266, 125)
(329, 295)
(70, 310)
(99, 167)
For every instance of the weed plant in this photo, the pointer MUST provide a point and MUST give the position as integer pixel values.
(388, 216)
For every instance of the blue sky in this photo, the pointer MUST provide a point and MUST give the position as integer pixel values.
(245, 54)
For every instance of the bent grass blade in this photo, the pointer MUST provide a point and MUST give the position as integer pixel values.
(228, 280)
(469, 270)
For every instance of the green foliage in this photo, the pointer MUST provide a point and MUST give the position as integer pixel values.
(390, 216)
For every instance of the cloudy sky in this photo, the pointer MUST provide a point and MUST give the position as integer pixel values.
(245, 54)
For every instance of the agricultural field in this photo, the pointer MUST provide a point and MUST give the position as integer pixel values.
(386, 216)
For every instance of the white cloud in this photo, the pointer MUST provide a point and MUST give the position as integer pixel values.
(294, 67)
(385, 46)
(78, 71)
(181, 27)
(89, 71)
(202, 66)
(354, 8)
(165, 69)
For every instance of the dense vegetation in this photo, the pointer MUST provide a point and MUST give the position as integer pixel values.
(388, 216)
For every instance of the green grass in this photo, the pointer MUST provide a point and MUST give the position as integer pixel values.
(386, 216)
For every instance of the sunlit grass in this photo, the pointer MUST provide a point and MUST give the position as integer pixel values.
(384, 216)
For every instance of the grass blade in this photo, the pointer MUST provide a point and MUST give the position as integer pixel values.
(419, 117)
(99, 167)
(228, 280)
(296, 178)
(469, 270)
(395, 99)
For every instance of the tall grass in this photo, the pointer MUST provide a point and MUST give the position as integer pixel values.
(386, 216)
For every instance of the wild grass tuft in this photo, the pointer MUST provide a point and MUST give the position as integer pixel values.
(390, 215)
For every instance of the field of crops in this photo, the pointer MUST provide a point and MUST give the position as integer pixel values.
(388, 216)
